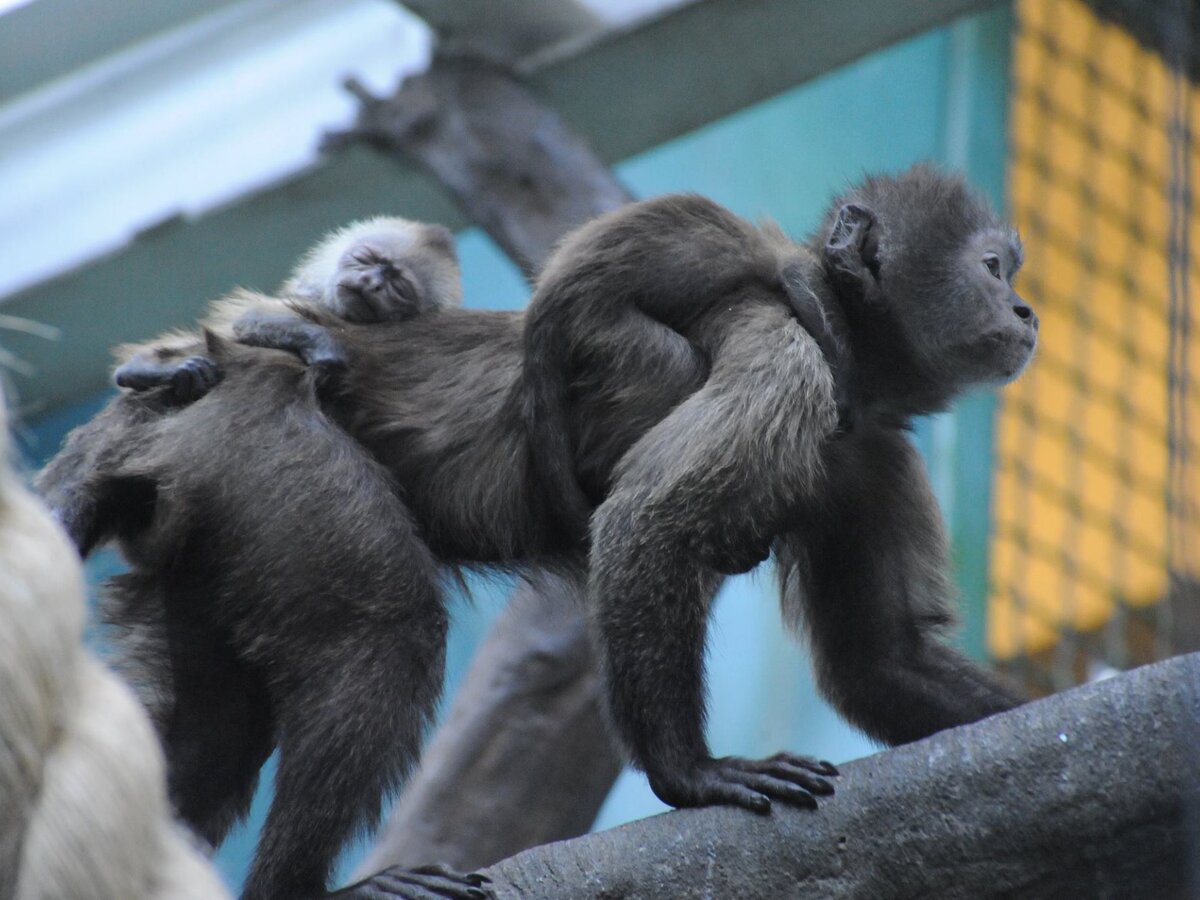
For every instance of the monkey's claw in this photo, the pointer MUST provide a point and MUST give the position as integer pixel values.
(425, 883)
(749, 783)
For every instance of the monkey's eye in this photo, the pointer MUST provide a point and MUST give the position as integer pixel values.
(992, 261)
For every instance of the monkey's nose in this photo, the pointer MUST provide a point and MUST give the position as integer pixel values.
(368, 280)
(1026, 313)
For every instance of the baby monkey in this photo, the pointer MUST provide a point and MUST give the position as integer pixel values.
(382, 269)
(379, 270)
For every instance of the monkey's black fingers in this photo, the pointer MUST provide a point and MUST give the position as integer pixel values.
(778, 788)
(704, 784)
(188, 380)
(788, 771)
(195, 377)
(782, 776)
(425, 883)
(820, 766)
(438, 870)
(137, 376)
(750, 784)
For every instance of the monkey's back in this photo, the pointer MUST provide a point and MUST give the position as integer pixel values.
(270, 519)
(436, 400)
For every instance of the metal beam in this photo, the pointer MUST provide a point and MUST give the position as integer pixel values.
(626, 91)
(49, 38)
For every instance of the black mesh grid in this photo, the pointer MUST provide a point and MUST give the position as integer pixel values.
(1093, 560)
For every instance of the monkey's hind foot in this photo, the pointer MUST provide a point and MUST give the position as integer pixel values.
(425, 883)
(749, 783)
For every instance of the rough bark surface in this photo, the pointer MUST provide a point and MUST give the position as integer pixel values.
(1091, 793)
(524, 756)
(505, 30)
(510, 163)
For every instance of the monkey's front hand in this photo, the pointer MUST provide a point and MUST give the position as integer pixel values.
(749, 783)
(188, 379)
(425, 883)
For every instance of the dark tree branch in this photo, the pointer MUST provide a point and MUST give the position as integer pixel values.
(524, 757)
(505, 30)
(510, 163)
(1091, 793)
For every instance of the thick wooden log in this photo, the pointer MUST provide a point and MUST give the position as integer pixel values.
(1091, 793)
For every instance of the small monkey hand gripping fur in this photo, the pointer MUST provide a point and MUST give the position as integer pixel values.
(383, 269)
(278, 594)
(677, 374)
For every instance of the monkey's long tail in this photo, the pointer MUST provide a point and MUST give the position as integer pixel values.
(545, 413)
(83, 805)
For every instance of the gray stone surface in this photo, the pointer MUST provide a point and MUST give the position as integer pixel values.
(1091, 793)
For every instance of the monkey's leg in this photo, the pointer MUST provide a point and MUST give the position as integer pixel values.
(219, 730)
(350, 729)
(808, 310)
(871, 578)
(723, 467)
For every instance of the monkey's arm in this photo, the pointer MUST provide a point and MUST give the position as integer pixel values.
(186, 374)
(817, 322)
(720, 471)
(188, 378)
(870, 579)
(313, 343)
(88, 485)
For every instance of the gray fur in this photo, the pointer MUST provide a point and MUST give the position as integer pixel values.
(896, 275)
(297, 604)
(670, 377)
(665, 373)
(278, 592)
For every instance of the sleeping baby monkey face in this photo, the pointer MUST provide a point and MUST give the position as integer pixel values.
(378, 270)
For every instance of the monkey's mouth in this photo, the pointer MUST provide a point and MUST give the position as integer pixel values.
(1000, 356)
(1020, 354)
(376, 293)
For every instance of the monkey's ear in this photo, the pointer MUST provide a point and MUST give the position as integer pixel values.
(853, 243)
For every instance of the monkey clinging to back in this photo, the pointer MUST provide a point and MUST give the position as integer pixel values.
(382, 269)
(278, 593)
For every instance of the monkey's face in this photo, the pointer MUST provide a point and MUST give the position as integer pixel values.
(371, 282)
(962, 316)
(381, 269)
(994, 331)
(395, 270)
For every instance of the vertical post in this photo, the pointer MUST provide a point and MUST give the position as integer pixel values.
(976, 141)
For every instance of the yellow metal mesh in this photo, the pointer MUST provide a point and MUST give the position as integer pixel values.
(1094, 526)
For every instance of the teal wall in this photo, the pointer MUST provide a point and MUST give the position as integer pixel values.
(938, 97)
